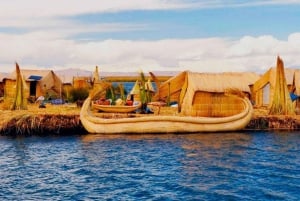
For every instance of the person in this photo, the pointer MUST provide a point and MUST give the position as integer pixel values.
(40, 100)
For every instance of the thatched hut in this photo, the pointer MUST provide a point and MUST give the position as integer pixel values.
(263, 89)
(39, 83)
(206, 94)
(136, 90)
(2, 76)
(82, 82)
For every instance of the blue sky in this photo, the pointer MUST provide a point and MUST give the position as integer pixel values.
(133, 35)
(232, 22)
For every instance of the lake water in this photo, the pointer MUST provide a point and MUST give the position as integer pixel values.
(224, 166)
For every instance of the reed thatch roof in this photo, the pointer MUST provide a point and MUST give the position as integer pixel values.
(215, 83)
(31, 74)
(220, 82)
(209, 82)
(46, 80)
(136, 88)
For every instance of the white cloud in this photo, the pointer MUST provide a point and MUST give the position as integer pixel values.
(54, 8)
(33, 9)
(51, 16)
(40, 49)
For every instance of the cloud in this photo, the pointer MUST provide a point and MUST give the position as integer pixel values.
(54, 8)
(46, 50)
(57, 16)
(20, 9)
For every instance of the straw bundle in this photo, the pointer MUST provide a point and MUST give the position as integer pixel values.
(96, 77)
(20, 101)
(281, 104)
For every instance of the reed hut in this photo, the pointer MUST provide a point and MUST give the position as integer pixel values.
(206, 94)
(135, 92)
(82, 82)
(67, 88)
(2, 76)
(263, 89)
(39, 83)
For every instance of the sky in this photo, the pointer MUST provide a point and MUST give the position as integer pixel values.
(149, 35)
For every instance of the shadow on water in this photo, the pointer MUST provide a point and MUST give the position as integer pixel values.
(194, 136)
(186, 141)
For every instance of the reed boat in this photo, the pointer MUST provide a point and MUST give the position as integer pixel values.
(116, 108)
(202, 106)
(163, 123)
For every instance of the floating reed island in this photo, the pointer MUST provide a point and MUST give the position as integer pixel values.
(198, 96)
(64, 120)
(54, 119)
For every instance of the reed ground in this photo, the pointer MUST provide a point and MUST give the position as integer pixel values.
(33, 110)
(260, 120)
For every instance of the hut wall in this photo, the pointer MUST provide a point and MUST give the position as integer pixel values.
(258, 98)
(266, 95)
(207, 104)
(81, 82)
(10, 91)
(172, 87)
(263, 88)
(39, 90)
(1, 89)
(50, 82)
(67, 90)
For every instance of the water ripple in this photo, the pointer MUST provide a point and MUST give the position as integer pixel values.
(231, 166)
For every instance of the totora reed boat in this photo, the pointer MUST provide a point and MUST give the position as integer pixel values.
(200, 109)
(163, 123)
(116, 108)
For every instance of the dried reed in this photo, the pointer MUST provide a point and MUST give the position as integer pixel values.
(282, 104)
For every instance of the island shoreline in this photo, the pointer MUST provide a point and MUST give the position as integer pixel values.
(69, 124)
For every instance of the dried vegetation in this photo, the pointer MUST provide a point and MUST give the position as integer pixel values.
(54, 119)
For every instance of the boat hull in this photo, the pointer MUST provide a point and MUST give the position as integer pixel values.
(116, 108)
(164, 124)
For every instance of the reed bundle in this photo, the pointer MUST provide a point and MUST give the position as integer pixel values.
(20, 101)
(282, 103)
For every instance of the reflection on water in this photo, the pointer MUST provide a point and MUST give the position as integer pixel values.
(212, 166)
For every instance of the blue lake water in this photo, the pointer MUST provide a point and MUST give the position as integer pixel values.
(226, 166)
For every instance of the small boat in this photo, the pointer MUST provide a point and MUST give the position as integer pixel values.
(116, 108)
(199, 110)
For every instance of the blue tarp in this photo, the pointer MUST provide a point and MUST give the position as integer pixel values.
(293, 96)
(57, 101)
(35, 77)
